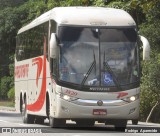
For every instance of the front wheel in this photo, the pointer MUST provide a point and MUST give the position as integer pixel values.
(135, 122)
(39, 120)
(120, 125)
(85, 123)
(54, 122)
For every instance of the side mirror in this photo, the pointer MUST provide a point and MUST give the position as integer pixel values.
(146, 48)
(53, 46)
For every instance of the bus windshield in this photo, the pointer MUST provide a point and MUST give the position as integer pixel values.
(106, 57)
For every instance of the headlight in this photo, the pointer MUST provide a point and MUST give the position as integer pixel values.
(67, 97)
(131, 98)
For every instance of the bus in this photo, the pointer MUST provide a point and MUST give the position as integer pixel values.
(80, 64)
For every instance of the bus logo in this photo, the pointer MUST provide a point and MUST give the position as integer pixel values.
(100, 103)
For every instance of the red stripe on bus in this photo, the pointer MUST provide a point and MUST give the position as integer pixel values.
(122, 94)
(38, 62)
(37, 106)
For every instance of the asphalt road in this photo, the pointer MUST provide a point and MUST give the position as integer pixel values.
(11, 121)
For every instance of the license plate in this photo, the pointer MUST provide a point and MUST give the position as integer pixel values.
(99, 112)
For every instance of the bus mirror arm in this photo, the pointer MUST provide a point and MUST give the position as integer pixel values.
(146, 48)
(53, 46)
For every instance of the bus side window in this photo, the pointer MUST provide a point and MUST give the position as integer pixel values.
(21, 52)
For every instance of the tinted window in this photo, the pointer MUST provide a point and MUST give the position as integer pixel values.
(30, 43)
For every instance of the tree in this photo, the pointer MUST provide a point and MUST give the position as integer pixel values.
(11, 94)
(5, 85)
(150, 95)
(150, 86)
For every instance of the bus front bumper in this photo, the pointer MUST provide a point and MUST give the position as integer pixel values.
(80, 110)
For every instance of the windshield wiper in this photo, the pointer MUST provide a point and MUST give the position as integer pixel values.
(90, 69)
(106, 65)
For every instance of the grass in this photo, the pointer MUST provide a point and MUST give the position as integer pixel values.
(6, 103)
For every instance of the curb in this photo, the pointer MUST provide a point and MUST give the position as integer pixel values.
(145, 123)
(3, 108)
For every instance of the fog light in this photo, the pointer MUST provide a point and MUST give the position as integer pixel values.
(65, 109)
(132, 110)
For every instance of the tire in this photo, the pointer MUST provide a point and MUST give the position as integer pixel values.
(54, 122)
(135, 122)
(120, 125)
(39, 120)
(85, 123)
(27, 118)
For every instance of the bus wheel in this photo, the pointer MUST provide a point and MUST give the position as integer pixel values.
(120, 125)
(39, 120)
(28, 119)
(54, 122)
(135, 121)
(57, 122)
(85, 123)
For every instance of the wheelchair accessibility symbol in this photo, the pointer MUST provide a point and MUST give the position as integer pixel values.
(108, 79)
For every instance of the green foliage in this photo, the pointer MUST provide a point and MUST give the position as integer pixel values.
(5, 85)
(146, 103)
(11, 94)
(151, 9)
(10, 3)
(150, 77)
(152, 32)
(35, 9)
(99, 3)
(150, 87)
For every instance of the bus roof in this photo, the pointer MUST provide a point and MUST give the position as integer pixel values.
(87, 16)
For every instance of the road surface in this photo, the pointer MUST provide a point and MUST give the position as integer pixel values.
(11, 121)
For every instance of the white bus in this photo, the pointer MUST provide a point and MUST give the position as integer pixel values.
(80, 64)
